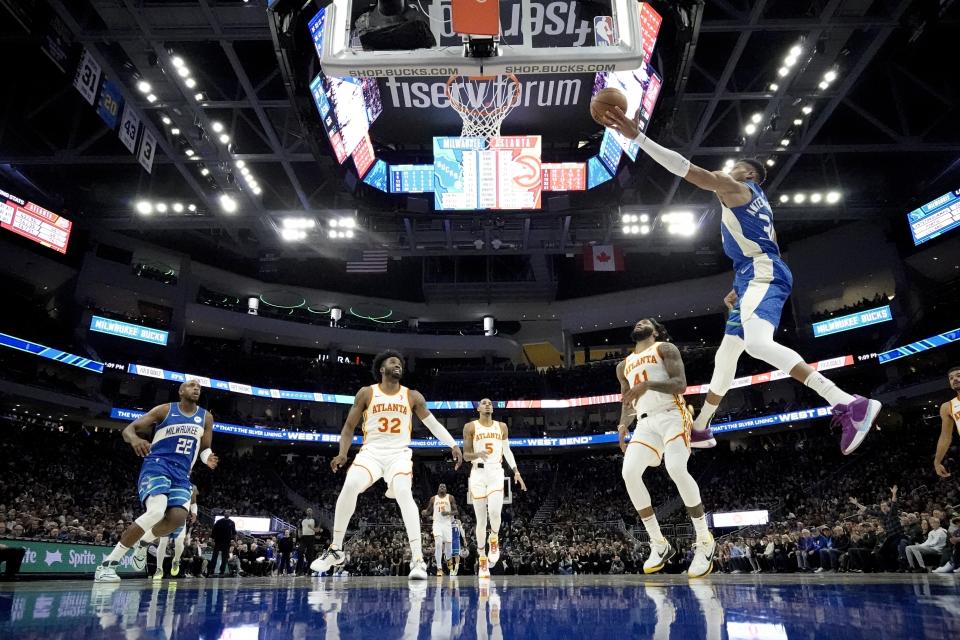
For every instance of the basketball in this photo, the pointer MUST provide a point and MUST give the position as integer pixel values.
(605, 100)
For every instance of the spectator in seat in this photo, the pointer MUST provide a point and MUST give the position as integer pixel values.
(918, 555)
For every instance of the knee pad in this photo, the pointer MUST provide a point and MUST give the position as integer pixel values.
(156, 508)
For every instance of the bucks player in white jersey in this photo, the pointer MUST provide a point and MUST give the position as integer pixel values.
(182, 431)
(652, 381)
(949, 420)
(386, 413)
(443, 508)
(486, 444)
(762, 283)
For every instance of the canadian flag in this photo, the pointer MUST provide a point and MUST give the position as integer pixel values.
(602, 257)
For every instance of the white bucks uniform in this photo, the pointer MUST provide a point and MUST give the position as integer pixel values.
(661, 417)
(387, 427)
(443, 518)
(486, 476)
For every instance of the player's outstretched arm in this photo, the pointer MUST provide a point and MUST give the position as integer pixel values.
(943, 444)
(207, 456)
(143, 424)
(626, 409)
(716, 181)
(354, 416)
(419, 405)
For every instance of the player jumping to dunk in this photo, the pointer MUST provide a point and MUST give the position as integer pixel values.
(761, 285)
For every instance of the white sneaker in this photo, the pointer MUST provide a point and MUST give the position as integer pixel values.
(158, 574)
(819, 570)
(494, 541)
(175, 569)
(140, 557)
(106, 573)
(702, 563)
(484, 570)
(660, 554)
(418, 570)
(947, 568)
(331, 558)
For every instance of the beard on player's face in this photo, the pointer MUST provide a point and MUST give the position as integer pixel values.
(641, 332)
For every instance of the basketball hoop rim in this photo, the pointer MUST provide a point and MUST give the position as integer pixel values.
(460, 107)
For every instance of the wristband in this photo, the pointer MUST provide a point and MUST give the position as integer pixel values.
(205, 455)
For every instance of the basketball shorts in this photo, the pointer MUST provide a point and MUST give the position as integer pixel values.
(443, 531)
(384, 463)
(485, 481)
(655, 430)
(158, 478)
(762, 286)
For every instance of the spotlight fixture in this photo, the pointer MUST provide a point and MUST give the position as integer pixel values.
(823, 85)
(177, 207)
(240, 164)
(190, 82)
(144, 87)
(198, 96)
(782, 71)
(774, 86)
(784, 198)
(293, 235)
(797, 122)
(217, 126)
(807, 110)
(799, 198)
(166, 120)
(144, 207)
(771, 162)
(750, 129)
(183, 71)
(177, 61)
(796, 50)
(192, 208)
(815, 198)
(224, 138)
(785, 142)
(151, 98)
(756, 118)
(161, 207)
(830, 76)
(227, 203)
(189, 153)
(204, 171)
(644, 217)
(175, 131)
(644, 229)
(833, 197)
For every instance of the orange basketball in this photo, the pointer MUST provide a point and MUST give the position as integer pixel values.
(605, 100)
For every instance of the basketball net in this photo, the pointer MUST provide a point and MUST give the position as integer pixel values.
(483, 102)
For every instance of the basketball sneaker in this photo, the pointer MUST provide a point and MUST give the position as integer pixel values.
(332, 557)
(418, 570)
(702, 563)
(158, 574)
(106, 573)
(660, 554)
(702, 439)
(140, 556)
(494, 541)
(175, 569)
(856, 419)
(439, 572)
(484, 570)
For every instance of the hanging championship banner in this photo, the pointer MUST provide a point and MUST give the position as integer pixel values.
(110, 103)
(148, 148)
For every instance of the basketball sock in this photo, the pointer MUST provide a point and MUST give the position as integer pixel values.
(116, 555)
(161, 551)
(827, 389)
(700, 526)
(438, 555)
(177, 549)
(653, 529)
(148, 537)
(495, 504)
(410, 514)
(705, 415)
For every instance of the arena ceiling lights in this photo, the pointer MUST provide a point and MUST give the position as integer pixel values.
(148, 207)
(679, 223)
(815, 197)
(293, 229)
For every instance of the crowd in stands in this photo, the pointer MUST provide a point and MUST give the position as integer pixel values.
(828, 512)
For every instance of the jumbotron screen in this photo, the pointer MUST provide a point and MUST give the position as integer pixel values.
(935, 218)
(468, 175)
(32, 221)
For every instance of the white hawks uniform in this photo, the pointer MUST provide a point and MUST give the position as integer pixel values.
(955, 411)
(661, 417)
(443, 524)
(387, 428)
(486, 477)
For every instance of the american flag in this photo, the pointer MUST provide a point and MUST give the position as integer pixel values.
(371, 262)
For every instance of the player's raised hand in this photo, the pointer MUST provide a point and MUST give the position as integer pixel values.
(621, 430)
(519, 480)
(617, 120)
(213, 461)
(338, 462)
(141, 447)
(941, 470)
(457, 457)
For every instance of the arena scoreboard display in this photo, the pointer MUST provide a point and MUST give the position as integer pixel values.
(32, 221)
(470, 174)
(564, 176)
(935, 218)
